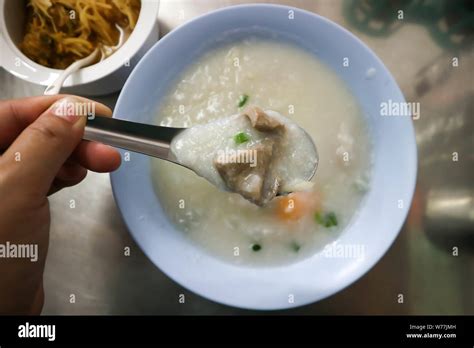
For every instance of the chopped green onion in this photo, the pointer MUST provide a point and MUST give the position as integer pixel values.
(241, 138)
(295, 246)
(326, 220)
(318, 218)
(243, 99)
(256, 247)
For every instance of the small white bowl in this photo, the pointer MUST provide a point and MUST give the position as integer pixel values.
(99, 79)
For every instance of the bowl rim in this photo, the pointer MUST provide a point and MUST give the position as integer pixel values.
(36, 73)
(409, 186)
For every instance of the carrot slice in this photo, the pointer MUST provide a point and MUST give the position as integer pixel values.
(296, 205)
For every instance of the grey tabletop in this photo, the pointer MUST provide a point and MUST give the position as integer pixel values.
(428, 270)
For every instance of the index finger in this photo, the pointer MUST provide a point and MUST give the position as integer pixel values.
(17, 114)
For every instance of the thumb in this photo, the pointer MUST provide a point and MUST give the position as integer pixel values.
(42, 148)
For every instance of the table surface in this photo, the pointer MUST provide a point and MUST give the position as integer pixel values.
(431, 264)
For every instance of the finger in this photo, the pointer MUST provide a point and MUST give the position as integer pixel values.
(71, 171)
(59, 184)
(17, 114)
(97, 157)
(35, 157)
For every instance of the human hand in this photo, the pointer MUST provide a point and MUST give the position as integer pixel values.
(43, 153)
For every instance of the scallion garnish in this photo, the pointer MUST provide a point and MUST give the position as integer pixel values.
(241, 138)
(326, 220)
(242, 100)
(295, 247)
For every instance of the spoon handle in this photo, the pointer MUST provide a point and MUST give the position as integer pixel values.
(138, 137)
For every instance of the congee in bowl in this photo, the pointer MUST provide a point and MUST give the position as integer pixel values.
(294, 248)
(279, 76)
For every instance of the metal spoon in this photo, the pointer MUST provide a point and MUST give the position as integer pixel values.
(139, 137)
(56, 85)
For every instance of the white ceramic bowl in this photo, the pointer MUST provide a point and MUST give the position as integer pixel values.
(381, 214)
(99, 79)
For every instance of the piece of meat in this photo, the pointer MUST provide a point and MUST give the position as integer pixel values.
(255, 183)
(261, 121)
